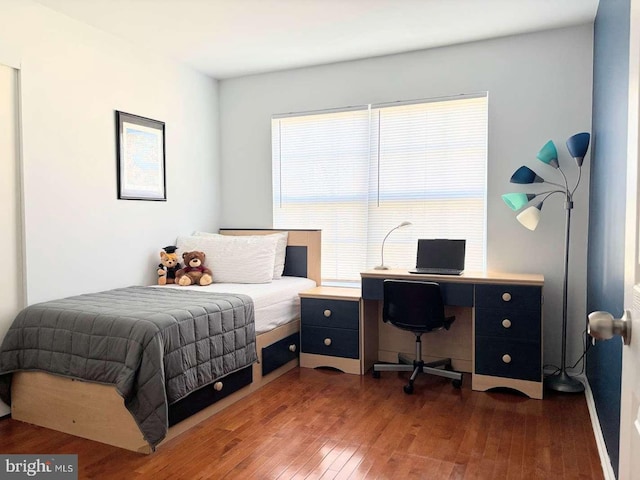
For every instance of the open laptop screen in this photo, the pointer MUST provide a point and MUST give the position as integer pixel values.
(441, 253)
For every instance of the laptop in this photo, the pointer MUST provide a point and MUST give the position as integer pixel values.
(440, 256)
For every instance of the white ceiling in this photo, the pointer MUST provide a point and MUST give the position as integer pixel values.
(229, 38)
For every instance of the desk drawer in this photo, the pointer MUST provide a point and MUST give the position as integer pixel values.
(508, 323)
(330, 313)
(508, 358)
(516, 297)
(454, 293)
(342, 342)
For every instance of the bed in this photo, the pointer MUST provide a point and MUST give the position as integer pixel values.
(97, 410)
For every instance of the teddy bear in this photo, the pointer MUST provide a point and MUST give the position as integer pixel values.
(168, 266)
(194, 272)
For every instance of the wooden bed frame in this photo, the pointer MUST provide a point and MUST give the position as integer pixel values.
(97, 412)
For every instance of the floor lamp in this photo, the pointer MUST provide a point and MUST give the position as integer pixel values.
(530, 216)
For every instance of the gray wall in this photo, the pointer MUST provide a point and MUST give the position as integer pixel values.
(539, 89)
(79, 237)
(607, 198)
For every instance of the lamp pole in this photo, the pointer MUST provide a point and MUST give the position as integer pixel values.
(561, 381)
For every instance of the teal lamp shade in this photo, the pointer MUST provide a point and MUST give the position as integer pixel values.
(548, 154)
(578, 145)
(515, 201)
(525, 175)
(530, 217)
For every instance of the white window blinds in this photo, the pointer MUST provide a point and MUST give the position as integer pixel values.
(357, 173)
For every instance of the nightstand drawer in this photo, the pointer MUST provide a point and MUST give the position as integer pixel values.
(336, 342)
(516, 297)
(508, 323)
(330, 313)
(508, 358)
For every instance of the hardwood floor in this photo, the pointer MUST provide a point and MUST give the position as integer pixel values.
(321, 424)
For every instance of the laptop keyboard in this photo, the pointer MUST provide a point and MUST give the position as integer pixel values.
(438, 271)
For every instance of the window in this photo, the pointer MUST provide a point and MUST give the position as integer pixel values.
(356, 173)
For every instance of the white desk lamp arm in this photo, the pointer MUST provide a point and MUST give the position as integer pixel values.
(382, 266)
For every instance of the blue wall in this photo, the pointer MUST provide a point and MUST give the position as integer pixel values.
(605, 267)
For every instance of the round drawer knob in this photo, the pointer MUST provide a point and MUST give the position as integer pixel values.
(292, 348)
(327, 313)
(506, 358)
(327, 341)
(506, 296)
(217, 386)
(506, 323)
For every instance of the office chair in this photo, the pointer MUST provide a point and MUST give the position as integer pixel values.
(419, 308)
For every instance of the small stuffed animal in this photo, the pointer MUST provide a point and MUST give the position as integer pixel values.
(194, 272)
(168, 266)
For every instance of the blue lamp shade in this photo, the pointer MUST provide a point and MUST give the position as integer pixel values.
(515, 201)
(525, 175)
(549, 154)
(530, 217)
(578, 146)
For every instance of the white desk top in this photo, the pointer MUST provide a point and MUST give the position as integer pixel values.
(466, 277)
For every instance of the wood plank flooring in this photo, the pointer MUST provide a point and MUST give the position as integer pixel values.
(322, 424)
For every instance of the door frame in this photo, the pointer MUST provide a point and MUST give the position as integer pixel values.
(10, 60)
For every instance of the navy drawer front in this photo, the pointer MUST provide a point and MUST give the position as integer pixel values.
(205, 396)
(454, 294)
(508, 323)
(372, 289)
(344, 342)
(521, 297)
(341, 313)
(525, 358)
(280, 352)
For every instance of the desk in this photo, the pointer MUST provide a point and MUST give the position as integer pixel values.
(497, 335)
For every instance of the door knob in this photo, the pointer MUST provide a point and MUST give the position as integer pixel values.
(603, 326)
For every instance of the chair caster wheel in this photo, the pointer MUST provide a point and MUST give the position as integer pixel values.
(408, 389)
(375, 374)
(456, 383)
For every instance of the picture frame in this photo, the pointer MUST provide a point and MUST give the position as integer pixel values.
(140, 144)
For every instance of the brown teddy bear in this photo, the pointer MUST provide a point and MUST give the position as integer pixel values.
(168, 266)
(194, 272)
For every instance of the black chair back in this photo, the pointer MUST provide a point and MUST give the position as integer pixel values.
(415, 306)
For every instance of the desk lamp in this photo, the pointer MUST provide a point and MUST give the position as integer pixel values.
(577, 145)
(382, 266)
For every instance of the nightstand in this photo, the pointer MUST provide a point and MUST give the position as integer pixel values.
(330, 328)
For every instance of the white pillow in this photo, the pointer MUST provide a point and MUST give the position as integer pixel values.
(281, 248)
(234, 259)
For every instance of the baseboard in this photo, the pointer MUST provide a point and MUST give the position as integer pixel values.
(605, 461)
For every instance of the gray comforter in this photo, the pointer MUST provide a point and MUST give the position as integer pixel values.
(156, 345)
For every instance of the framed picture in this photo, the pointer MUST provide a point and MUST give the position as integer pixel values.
(141, 167)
